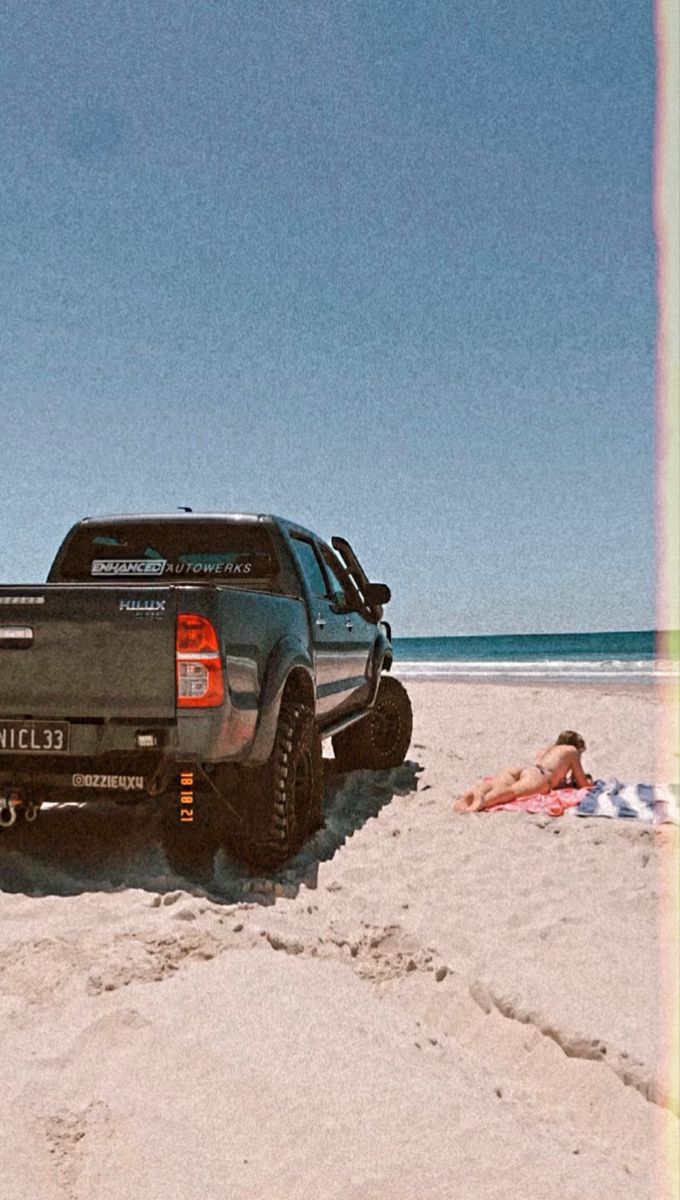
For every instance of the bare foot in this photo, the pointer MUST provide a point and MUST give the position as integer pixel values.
(469, 801)
(463, 801)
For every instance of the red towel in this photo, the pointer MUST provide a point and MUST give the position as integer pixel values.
(553, 803)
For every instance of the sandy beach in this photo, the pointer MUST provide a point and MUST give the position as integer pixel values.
(424, 1004)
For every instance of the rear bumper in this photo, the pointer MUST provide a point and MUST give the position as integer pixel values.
(111, 756)
(71, 777)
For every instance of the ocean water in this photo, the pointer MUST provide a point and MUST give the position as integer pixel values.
(538, 657)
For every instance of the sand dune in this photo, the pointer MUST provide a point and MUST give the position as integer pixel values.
(423, 1005)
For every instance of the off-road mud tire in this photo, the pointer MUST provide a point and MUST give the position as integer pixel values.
(280, 804)
(382, 738)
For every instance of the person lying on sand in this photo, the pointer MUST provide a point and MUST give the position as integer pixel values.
(554, 767)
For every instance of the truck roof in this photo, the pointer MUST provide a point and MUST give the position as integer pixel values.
(160, 518)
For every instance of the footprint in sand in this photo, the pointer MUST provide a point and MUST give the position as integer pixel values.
(65, 1133)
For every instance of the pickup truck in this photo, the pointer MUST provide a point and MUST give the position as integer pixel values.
(212, 647)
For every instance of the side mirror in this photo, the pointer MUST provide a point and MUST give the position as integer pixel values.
(377, 594)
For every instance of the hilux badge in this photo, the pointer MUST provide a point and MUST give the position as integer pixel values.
(142, 606)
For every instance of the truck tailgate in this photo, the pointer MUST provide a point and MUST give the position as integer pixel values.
(87, 651)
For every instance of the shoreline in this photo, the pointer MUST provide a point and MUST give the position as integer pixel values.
(630, 687)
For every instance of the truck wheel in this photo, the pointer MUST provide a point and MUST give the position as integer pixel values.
(383, 737)
(281, 803)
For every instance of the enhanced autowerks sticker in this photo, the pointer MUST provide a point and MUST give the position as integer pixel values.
(209, 568)
(128, 566)
(113, 567)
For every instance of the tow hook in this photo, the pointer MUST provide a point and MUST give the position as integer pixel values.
(160, 779)
(8, 811)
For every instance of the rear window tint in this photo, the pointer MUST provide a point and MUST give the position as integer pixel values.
(148, 553)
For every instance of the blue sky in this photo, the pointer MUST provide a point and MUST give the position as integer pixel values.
(385, 267)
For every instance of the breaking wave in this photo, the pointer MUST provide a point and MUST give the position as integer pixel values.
(548, 670)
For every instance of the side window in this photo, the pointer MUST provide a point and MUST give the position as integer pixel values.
(343, 592)
(311, 567)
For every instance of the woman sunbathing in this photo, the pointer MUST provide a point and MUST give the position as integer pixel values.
(554, 767)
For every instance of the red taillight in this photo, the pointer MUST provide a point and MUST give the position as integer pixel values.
(200, 679)
(195, 635)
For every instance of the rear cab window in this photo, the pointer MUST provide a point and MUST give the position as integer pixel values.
(162, 552)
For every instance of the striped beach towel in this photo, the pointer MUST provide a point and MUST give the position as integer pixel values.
(652, 802)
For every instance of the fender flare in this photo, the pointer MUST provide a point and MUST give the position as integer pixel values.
(288, 654)
(381, 660)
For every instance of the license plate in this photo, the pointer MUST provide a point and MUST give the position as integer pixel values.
(33, 737)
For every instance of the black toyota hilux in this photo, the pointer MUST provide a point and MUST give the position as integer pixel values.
(220, 647)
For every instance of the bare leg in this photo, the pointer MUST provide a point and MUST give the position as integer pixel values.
(473, 798)
(530, 781)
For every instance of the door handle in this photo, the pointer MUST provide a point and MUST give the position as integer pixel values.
(348, 625)
(320, 621)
